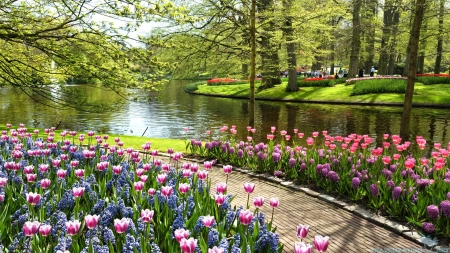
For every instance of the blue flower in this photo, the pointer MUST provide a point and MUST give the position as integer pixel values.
(213, 237)
(67, 201)
(108, 236)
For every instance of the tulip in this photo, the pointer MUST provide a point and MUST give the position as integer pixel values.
(138, 186)
(207, 165)
(79, 173)
(2, 197)
(78, 192)
(45, 183)
(91, 221)
(188, 245)
(208, 221)
(194, 168)
(301, 247)
(165, 167)
(321, 243)
(202, 174)
(33, 198)
(43, 167)
(161, 178)
(221, 187)
(227, 169)
(274, 202)
(3, 181)
(147, 215)
(31, 228)
(61, 173)
(28, 169)
(181, 234)
(121, 225)
(216, 250)
(73, 227)
(31, 177)
(220, 199)
(258, 202)
(245, 217)
(302, 231)
(143, 178)
(249, 187)
(151, 191)
(186, 173)
(184, 188)
(140, 172)
(166, 191)
(45, 230)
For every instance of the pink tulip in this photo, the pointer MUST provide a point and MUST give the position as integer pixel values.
(138, 186)
(166, 191)
(188, 245)
(186, 173)
(121, 225)
(117, 169)
(56, 163)
(45, 230)
(3, 181)
(194, 168)
(386, 160)
(61, 173)
(161, 178)
(274, 202)
(33, 198)
(31, 228)
(227, 169)
(396, 156)
(184, 188)
(165, 167)
(315, 134)
(202, 174)
(220, 199)
(258, 201)
(31, 177)
(301, 247)
(91, 221)
(2, 197)
(181, 234)
(140, 172)
(207, 165)
(73, 227)
(143, 178)
(79, 173)
(302, 231)
(310, 141)
(283, 132)
(78, 192)
(147, 215)
(272, 129)
(321, 243)
(28, 169)
(208, 221)
(151, 191)
(43, 167)
(245, 217)
(221, 187)
(249, 187)
(45, 183)
(216, 250)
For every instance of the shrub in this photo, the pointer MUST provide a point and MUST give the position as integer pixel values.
(379, 86)
(193, 86)
(316, 83)
(428, 80)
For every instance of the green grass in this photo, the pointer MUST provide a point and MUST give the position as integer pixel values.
(160, 144)
(379, 86)
(436, 94)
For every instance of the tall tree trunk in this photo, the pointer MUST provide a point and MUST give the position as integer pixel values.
(356, 41)
(290, 47)
(252, 63)
(422, 49)
(394, 31)
(383, 62)
(370, 35)
(437, 64)
(414, 42)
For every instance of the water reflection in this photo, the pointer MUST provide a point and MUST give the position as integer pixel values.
(174, 109)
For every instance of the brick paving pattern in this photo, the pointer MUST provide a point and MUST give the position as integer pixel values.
(347, 232)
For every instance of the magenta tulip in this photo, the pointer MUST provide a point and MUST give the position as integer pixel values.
(184, 188)
(202, 174)
(321, 243)
(43, 167)
(181, 234)
(194, 168)
(31, 228)
(147, 215)
(45, 183)
(249, 187)
(138, 186)
(165, 167)
(161, 178)
(301, 247)
(45, 230)
(78, 192)
(220, 199)
(302, 231)
(79, 173)
(166, 191)
(61, 173)
(208, 221)
(227, 169)
(221, 187)
(73, 227)
(143, 178)
(188, 245)
(117, 169)
(207, 165)
(216, 250)
(186, 173)
(258, 201)
(31, 177)
(3, 181)
(33, 198)
(91, 221)
(245, 217)
(121, 225)
(274, 202)
(28, 169)
(151, 191)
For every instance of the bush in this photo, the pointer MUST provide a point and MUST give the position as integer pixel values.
(428, 80)
(379, 86)
(193, 86)
(318, 83)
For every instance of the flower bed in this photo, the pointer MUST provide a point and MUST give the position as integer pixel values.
(396, 178)
(220, 81)
(440, 75)
(58, 196)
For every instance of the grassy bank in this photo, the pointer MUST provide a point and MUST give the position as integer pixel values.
(160, 144)
(430, 94)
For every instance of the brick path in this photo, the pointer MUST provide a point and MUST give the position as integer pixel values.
(347, 232)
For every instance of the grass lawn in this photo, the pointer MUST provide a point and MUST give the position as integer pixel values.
(160, 144)
(433, 94)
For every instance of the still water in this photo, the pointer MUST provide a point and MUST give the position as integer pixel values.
(174, 109)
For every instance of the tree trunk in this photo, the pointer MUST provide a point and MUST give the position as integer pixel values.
(252, 63)
(371, 5)
(383, 62)
(394, 31)
(414, 42)
(356, 42)
(290, 47)
(437, 64)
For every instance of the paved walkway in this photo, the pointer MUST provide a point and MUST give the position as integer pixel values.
(347, 231)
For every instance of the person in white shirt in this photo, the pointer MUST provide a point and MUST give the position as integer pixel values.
(372, 71)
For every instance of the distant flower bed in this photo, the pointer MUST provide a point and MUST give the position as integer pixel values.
(354, 80)
(397, 177)
(220, 81)
(318, 78)
(440, 75)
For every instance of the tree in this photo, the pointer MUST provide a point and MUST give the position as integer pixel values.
(356, 41)
(46, 42)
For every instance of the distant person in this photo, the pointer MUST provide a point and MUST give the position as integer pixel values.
(372, 71)
(341, 73)
(345, 73)
(361, 72)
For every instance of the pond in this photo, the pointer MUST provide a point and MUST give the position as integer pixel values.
(174, 109)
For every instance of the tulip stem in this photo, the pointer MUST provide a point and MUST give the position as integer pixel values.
(248, 199)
